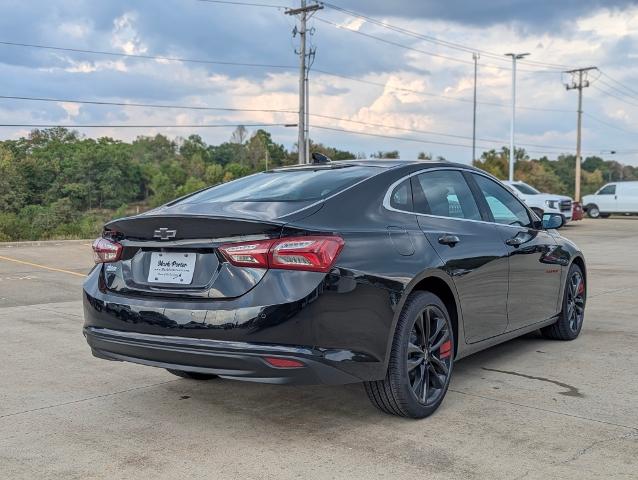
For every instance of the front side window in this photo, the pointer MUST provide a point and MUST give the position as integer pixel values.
(607, 190)
(444, 193)
(505, 207)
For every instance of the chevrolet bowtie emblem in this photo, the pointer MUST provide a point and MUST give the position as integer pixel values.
(164, 233)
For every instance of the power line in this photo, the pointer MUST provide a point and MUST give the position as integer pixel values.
(265, 65)
(411, 139)
(227, 109)
(427, 142)
(631, 90)
(425, 52)
(427, 132)
(435, 40)
(58, 125)
(611, 125)
(611, 94)
(145, 57)
(246, 4)
(145, 105)
(406, 139)
(444, 97)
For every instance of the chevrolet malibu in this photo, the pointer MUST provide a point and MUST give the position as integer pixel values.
(380, 272)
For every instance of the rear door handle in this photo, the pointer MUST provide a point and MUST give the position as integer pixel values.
(514, 242)
(448, 239)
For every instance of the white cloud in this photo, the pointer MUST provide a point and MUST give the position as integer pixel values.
(125, 36)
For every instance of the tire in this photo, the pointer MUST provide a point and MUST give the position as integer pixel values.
(192, 375)
(413, 365)
(570, 320)
(592, 211)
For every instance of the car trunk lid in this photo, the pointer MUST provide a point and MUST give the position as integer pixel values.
(175, 252)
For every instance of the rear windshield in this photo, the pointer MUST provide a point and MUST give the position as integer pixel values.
(293, 185)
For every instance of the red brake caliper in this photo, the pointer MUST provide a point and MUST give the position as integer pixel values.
(446, 349)
(581, 288)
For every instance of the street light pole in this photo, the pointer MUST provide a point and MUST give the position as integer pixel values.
(515, 56)
(475, 56)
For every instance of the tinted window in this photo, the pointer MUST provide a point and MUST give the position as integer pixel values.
(444, 193)
(607, 190)
(505, 207)
(285, 185)
(525, 189)
(401, 197)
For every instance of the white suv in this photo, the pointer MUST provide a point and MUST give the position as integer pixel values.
(542, 202)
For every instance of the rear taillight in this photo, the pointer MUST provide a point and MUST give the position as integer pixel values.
(248, 254)
(312, 253)
(306, 253)
(106, 251)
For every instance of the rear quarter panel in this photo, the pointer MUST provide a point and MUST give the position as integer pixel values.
(385, 253)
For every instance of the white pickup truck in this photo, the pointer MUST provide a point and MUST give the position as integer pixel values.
(542, 202)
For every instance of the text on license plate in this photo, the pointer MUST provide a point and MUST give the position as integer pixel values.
(172, 268)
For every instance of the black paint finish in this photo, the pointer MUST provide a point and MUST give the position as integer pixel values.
(339, 324)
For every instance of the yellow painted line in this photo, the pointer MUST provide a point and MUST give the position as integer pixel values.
(42, 266)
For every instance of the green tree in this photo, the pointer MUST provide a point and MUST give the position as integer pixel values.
(391, 154)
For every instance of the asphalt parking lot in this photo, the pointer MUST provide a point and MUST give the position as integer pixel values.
(530, 408)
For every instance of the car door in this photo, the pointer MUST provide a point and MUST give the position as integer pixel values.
(606, 199)
(534, 268)
(471, 250)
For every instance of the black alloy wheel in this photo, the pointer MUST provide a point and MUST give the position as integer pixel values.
(421, 361)
(575, 300)
(429, 355)
(570, 321)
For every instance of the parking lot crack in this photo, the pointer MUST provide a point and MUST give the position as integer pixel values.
(598, 443)
(570, 391)
(531, 407)
(94, 397)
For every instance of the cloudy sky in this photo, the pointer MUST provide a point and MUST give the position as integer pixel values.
(374, 82)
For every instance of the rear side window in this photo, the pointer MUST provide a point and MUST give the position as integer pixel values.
(444, 193)
(292, 185)
(607, 190)
(401, 198)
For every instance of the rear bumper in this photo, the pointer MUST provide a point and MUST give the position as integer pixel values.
(234, 360)
(338, 327)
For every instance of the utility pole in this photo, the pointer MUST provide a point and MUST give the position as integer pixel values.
(578, 82)
(311, 60)
(475, 56)
(302, 30)
(515, 56)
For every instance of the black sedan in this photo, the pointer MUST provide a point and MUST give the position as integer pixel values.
(358, 271)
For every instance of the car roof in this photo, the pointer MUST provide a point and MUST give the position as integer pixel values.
(384, 164)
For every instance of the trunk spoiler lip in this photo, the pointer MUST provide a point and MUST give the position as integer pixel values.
(144, 216)
(190, 242)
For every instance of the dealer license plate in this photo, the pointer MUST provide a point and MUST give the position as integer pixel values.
(172, 268)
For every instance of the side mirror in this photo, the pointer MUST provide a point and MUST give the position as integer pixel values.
(552, 220)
